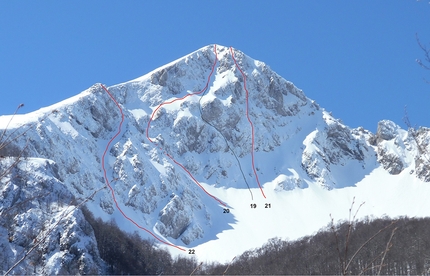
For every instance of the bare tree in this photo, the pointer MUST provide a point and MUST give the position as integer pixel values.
(426, 62)
(343, 245)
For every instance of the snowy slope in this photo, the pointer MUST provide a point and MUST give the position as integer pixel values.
(201, 135)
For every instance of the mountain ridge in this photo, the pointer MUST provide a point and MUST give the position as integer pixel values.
(298, 147)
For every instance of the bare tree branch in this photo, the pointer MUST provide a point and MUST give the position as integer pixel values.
(11, 118)
(350, 224)
(426, 63)
(229, 265)
(366, 242)
(201, 263)
(333, 229)
(426, 54)
(387, 248)
(8, 140)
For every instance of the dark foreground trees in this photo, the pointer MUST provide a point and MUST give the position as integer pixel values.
(405, 252)
(127, 253)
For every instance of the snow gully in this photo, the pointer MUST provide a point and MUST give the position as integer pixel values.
(181, 99)
(108, 182)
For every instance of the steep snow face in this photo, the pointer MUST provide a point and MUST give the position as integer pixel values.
(204, 131)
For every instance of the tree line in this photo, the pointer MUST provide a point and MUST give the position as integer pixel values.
(369, 246)
(128, 253)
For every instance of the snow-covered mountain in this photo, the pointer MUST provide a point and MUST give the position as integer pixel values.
(213, 152)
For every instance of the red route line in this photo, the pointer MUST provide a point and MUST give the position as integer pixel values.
(107, 180)
(249, 120)
(180, 99)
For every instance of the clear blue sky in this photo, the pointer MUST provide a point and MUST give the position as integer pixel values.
(355, 58)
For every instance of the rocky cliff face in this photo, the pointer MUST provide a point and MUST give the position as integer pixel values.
(422, 159)
(40, 218)
(399, 149)
(333, 145)
(169, 142)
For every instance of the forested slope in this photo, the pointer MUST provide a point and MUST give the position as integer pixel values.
(370, 246)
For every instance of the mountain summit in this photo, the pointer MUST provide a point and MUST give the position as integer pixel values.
(209, 151)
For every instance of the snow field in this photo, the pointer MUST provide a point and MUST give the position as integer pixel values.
(300, 212)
